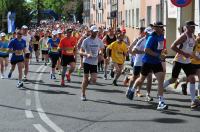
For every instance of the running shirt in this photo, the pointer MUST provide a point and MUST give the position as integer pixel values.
(139, 46)
(156, 44)
(53, 45)
(17, 46)
(197, 53)
(36, 39)
(43, 43)
(4, 48)
(27, 39)
(110, 40)
(118, 52)
(68, 45)
(92, 46)
(186, 47)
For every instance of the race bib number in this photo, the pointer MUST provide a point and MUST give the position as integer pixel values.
(4, 50)
(55, 49)
(69, 51)
(19, 52)
(160, 45)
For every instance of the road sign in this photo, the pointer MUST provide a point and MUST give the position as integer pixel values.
(181, 3)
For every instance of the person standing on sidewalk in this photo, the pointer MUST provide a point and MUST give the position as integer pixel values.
(183, 60)
(68, 55)
(90, 48)
(118, 50)
(152, 63)
(17, 47)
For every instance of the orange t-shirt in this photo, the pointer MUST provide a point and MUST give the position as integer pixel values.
(67, 45)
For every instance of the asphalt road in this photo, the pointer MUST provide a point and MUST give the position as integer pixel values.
(42, 105)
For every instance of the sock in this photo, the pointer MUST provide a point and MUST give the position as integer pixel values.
(64, 72)
(161, 99)
(166, 83)
(192, 91)
(133, 89)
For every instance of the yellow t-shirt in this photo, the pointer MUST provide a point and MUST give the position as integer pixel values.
(118, 53)
(197, 53)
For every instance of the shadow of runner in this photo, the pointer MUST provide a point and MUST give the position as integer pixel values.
(49, 91)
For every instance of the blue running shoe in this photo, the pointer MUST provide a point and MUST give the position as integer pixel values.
(130, 94)
(10, 75)
(162, 106)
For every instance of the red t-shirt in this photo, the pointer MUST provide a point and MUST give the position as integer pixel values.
(67, 45)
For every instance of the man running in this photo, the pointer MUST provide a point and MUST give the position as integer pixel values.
(89, 50)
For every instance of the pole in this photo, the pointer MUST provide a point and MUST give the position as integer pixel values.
(38, 9)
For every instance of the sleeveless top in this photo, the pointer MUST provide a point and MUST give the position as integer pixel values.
(110, 40)
(186, 47)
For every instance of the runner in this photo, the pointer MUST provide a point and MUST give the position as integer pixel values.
(118, 50)
(36, 47)
(152, 62)
(89, 50)
(3, 54)
(44, 47)
(68, 55)
(53, 52)
(17, 47)
(27, 55)
(182, 60)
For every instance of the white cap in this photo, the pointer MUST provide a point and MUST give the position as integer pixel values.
(148, 30)
(2, 34)
(54, 32)
(24, 27)
(59, 31)
(94, 28)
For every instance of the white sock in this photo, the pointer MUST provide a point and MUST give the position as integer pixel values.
(192, 91)
(161, 99)
(166, 83)
(133, 89)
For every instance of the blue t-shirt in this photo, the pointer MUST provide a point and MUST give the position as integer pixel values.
(17, 46)
(54, 45)
(156, 44)
(4, 48)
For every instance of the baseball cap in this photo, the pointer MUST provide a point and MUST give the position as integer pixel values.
(24, 27)
(2, 34)
(94, 28)
(158, 24)
(148, 30)
(69, 30)
(190, 23)
(54, 32)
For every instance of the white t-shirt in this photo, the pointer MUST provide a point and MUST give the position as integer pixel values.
(27, 38)
(92, 46)
(139, 46)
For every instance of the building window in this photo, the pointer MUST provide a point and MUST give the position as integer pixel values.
(158, 13)
(126, 16)
(133, 17)
(129, 14)
(149, 15)
(137, 17)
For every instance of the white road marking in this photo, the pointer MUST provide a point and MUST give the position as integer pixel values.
(40, 128)
(40, 110)
(28, 92)
(28, 102)
(29, 114)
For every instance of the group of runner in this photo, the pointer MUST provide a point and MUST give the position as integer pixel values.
(104, 49)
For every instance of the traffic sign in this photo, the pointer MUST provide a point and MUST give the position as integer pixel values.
(181, 3)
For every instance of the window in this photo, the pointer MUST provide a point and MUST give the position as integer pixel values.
(149, 15)
(129, 15)
(133, 17)
(126, 16)
(158, 13)
(137, 17)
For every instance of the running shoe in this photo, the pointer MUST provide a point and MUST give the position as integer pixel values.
(2, 76)
(176, 84)
(148, 98)
(184, 88)
(130, 94)
(68, 77)
(53, 76)
(20, 84)
(162, 106)
(79, 72)
(83, 98)
(9, 75)
(115, 83)
(195, 104)
(45, 64)
(105, 77)
(112, 74)
(25, 78)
